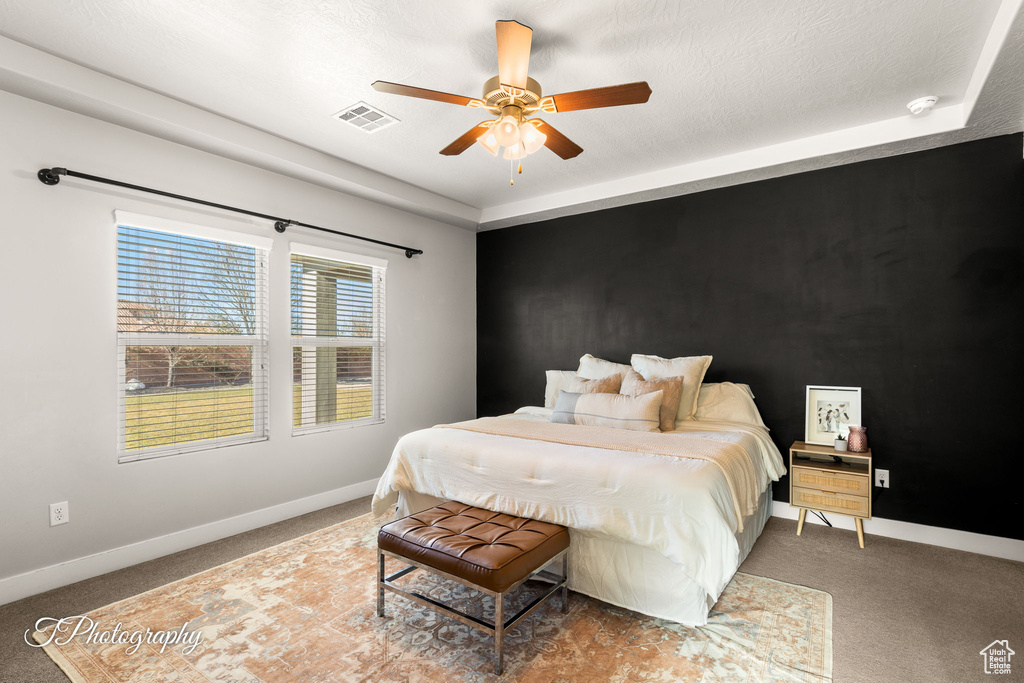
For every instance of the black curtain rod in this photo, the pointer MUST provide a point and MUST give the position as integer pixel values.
(51, 176)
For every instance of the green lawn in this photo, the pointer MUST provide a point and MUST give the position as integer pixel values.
(354, 402)
(182, 416)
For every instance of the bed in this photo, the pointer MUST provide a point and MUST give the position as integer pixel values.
(655, 532)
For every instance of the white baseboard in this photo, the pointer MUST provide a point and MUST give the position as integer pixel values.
(46, 578)
(995, 546)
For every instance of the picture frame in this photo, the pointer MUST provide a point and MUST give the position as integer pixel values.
(830, 412)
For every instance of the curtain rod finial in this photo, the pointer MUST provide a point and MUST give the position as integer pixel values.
(51, 176)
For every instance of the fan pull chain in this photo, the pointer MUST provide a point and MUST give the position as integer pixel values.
(510, 176)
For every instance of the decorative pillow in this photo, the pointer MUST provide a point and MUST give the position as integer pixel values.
(556, 381)
(690, 367)
(639, 413)
(729, 402)
(594, 368)
(635, 385)
(567, 380)
(603, 385)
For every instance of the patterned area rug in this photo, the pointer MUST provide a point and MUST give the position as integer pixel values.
(305, 611)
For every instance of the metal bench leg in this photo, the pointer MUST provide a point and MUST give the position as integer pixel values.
(380, 584)
(499, 632)
(565, 586)
(498, 627)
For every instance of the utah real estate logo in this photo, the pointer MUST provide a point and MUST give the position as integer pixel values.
(997, 657)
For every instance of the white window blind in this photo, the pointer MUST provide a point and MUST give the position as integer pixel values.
(338, 348)
(192, 342)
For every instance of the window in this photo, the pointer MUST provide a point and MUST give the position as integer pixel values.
(337, 339)
(192, 337)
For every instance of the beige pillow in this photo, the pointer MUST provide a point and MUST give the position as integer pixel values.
(567, 380)
(595, 368)
(729, 402)
(690, 367)
(635, 385)
(639, 413)
(604, 385)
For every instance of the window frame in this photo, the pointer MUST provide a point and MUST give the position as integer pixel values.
(259, 342)
(378, 342)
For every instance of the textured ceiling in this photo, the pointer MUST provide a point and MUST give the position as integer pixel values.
(999, 111)
(727, 75)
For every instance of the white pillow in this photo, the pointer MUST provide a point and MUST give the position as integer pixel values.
(690, 368)
(729, 402)
(597, 368)
(557, 380)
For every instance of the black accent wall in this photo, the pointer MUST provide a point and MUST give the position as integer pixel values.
(898, 275)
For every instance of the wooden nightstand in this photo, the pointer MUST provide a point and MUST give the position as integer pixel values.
(818, 482)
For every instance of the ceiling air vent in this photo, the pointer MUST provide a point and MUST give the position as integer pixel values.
(366, 118)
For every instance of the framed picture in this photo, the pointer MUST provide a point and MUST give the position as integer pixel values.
(830, 412)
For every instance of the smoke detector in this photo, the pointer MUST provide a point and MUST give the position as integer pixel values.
(367, 118)
(922, 104)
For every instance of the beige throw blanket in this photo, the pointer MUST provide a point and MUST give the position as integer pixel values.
(730, 458)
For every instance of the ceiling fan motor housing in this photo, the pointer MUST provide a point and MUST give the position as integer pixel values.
(496, 97)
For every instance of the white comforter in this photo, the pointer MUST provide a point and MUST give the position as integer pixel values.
(680, 508)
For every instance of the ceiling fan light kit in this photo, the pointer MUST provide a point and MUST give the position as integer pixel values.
(512, 97)
(514, 153)
(508, 126)
(489, 141)
(530, 138)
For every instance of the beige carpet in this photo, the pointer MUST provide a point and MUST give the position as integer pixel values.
(902, 611)
(304, 611)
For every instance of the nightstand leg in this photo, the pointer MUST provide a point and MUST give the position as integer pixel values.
(800, 522)
(860, 531)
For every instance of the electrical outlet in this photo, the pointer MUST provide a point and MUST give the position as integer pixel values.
(59, 513)
(882, 478)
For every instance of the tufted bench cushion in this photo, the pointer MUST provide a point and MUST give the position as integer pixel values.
(488, 549)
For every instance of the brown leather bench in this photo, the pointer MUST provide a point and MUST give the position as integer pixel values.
(488, 551)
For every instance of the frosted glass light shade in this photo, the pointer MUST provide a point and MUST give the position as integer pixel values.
(514, 152)
(507, 131)
(489, 142)
(531, 138)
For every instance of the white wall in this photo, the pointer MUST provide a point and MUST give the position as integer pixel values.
(57, 339)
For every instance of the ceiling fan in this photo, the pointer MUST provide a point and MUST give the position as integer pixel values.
(512, 96)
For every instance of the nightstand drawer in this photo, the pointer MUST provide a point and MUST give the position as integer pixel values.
(837, 482)
(827, 501)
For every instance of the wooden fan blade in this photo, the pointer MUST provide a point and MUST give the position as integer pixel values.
(611, 96)
(466, 140)
(514, 41)
(423, 93)
(556, 142)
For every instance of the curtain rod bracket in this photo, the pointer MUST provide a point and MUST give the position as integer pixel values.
(51, 176)
(281, 226)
